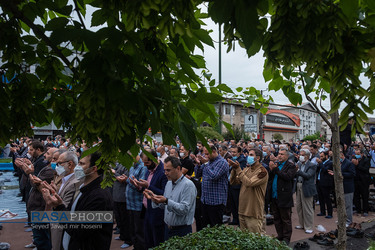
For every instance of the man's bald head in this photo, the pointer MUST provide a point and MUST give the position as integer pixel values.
(48, 155)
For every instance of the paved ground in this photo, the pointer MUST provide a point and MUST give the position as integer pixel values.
(14, 234)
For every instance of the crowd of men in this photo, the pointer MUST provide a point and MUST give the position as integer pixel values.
(152, 201)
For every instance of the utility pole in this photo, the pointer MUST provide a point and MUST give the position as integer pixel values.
(220, 103)
(260, 121)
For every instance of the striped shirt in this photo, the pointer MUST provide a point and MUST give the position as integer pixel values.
(134, 196)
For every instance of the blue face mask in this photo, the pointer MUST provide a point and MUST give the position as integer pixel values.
(341, 160)
(178, 146)
(53, 165)
(82, 150)
(250, 160)
(264, 154)
(158, 154)
(358, 156)
(234, 158)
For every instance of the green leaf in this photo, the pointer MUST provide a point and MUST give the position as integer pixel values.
(276, 84)
(371, 99)
(224, 88)
(57, 23)
(350, 8)
(267, 74)
(239, 89)
(98, 18)
(90, 151)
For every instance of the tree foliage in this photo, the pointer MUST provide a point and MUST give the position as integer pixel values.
(133, 67)
(210, 133)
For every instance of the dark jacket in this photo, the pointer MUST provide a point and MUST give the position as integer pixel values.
(326, 180)
(308, 175)
(362, 171)
(348, 172)
(39, 163)
(155, 216)
(119, 189)
(93, 198)
(284, 184)
(36, 201)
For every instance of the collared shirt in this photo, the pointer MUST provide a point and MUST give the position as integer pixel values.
(163, 157)
(66, 236)
(134, 196)
(149, 178)
(300, 178)
(372, 155)
(64, 180)
(321, 168)
(214, 181)
(181, 202)
(274, 183)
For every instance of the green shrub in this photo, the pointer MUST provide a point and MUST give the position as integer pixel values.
(222, 237)
(313, 137)
(5, 160)
(278, 136)
(238, 134)
(210, 133)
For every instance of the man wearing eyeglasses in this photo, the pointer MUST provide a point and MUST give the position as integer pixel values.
(65, 169)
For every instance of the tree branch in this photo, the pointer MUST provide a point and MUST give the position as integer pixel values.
(324, 116)
(322, 106)
(79, 14)
(18, 14)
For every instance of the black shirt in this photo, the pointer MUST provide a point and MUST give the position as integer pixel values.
(188, 164)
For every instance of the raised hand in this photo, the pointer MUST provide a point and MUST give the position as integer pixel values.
(51, 199)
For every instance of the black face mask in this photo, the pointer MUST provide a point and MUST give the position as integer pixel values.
(151, 166)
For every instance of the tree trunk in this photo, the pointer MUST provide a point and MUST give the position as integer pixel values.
(339, 187)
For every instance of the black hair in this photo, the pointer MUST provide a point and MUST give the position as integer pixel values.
(37, 145)
(93, 159)
(257, 153)
(173, 160)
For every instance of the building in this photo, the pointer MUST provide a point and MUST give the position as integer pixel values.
(310, 119)
(282, 122)
(236, 114)
(289, 121)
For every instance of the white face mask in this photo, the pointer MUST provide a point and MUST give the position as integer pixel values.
(59, 169)
(24, 144)
(166, 149)
(79, 172)
(28, 156)
(302, 158)
(182, 155)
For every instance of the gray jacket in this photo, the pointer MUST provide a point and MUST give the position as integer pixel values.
(308, 175)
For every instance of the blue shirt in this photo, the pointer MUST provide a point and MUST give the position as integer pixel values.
(214, 181)
(134, 197)
(274, 183)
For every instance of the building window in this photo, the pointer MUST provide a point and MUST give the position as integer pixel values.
(227, 110)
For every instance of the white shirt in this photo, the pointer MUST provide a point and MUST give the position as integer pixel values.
(66, 236)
